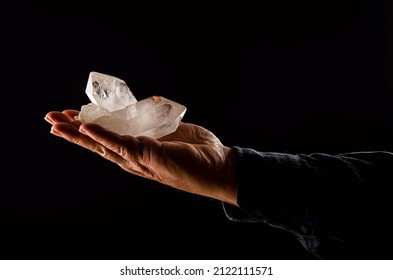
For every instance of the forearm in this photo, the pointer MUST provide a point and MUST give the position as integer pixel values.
(317, 194)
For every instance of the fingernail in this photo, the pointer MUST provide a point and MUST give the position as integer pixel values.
(55, 132)
(82, 130)
(48, 119)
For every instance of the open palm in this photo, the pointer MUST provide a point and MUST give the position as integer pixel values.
(191, 159)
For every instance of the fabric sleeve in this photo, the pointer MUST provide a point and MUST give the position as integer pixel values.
(320, 198)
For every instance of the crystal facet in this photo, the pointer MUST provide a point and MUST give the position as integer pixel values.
(155, 116)
(109, 92)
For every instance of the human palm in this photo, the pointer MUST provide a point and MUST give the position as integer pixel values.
(191, 159)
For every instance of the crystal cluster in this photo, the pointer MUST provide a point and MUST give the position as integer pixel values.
(114, 107)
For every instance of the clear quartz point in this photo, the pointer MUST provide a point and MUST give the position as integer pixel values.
(155, 116)
(108, 92)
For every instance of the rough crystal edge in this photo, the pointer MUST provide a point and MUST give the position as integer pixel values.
(151, 132)
(120, 102)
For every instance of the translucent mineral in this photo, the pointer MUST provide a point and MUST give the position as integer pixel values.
(109, 92)
(114, 107)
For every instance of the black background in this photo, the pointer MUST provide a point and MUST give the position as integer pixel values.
(295, 77)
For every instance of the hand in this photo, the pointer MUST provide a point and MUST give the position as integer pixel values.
(190, 159)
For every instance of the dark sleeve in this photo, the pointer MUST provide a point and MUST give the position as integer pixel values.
(321, 198)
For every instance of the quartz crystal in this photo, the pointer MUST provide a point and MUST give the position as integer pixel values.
(114, 107)
(109, 92)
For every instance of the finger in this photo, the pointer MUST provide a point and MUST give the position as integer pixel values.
(126, 151)
(65, 130)
(58, 117)
(71, 113)
(110, 140)
(139, 153)
(72, 134)
(48, 117)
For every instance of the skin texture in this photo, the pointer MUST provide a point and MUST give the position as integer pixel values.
(191, 159)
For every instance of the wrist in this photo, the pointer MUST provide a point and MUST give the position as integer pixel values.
(229, 186)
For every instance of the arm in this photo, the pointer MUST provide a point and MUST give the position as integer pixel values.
(322, 199)
(317, 197)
